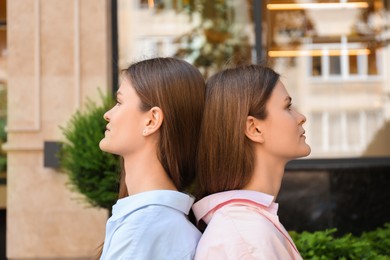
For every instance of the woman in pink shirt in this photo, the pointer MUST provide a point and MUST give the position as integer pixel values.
(250, 131)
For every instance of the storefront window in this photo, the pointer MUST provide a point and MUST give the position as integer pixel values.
(336, 53)
(332, 55)
(208, 34)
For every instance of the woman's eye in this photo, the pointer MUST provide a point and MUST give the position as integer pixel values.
(289, 107)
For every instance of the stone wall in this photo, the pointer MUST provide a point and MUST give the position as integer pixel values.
(58, 54)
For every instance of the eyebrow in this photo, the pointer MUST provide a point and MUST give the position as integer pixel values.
(118, 93)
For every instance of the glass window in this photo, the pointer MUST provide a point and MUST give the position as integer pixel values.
(316, 66)
(373, 63)
(208, 34)
(332, 59)
(353, 64)
(334, 65)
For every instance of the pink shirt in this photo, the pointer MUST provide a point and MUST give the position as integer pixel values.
(242, 224)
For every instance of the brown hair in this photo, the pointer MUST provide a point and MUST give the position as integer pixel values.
(225, 157)
(178, 89)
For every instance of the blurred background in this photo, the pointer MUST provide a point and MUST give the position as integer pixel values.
(334, 58)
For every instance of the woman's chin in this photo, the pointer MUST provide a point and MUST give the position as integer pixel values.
(103, 145)
(307, 151)
(303, 152)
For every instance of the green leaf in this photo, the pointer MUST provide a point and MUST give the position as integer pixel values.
(325, 245)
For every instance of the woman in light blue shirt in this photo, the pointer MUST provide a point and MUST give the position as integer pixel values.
(154, 127)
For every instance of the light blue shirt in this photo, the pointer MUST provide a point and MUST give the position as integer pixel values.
(151, 225)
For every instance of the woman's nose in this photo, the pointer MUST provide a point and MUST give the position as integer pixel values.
(106, 116)
(302, 118)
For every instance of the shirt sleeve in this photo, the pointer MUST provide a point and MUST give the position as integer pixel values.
(122, 243)
(126, 238)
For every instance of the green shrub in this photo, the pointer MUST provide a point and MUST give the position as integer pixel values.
(3, 134)
(324, 245)
(379, 239)
(91, 172)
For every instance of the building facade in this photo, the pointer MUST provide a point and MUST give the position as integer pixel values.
(58, 53)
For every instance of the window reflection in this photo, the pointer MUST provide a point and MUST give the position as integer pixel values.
(337, 64)
(333, 56)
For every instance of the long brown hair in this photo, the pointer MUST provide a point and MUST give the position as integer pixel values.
(225, 157)
(178, 89)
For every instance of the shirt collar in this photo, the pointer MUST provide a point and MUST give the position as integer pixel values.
(215, 201)
(169, 198)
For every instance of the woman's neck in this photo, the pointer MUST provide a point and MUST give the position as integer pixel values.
(267, 175)
(144, 172)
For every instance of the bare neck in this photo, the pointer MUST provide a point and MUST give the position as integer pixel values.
(144, 172)
(267, 174)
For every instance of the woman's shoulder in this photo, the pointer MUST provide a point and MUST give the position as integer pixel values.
(241, 232)
(160, 219)
(157, 231)
(180, 237)
(243, 220)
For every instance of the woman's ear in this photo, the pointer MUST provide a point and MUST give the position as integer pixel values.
(154, 119)
(253, 129)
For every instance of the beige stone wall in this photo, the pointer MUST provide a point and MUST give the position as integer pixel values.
(58, 54)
